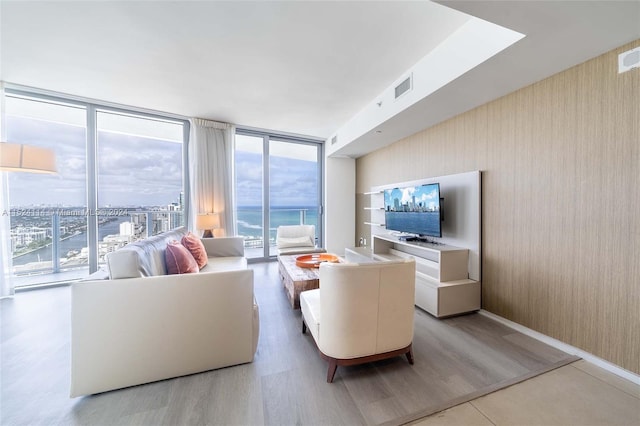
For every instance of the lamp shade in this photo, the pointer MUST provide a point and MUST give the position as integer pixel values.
(16, 157)
(208, 221)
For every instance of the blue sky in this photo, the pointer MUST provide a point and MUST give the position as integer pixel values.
(428, 195)
(136, 171)
(132, 170)
(293, 182)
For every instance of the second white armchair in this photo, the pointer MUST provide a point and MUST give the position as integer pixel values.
(361, 312)
(297, 239)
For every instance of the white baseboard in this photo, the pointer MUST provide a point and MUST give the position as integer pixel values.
(606, 365)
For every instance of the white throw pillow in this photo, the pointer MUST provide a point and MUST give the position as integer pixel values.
(124, 264)
(284, 242)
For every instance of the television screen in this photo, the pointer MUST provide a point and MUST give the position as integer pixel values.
(413, 210)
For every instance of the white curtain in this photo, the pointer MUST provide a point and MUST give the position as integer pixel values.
(211, 172)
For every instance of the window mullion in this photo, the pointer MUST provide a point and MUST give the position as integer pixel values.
(266, 211)
(92, 188)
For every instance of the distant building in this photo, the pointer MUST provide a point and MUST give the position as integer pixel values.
(175, 214)
(111, 243)
(126, 229)
(25, 235)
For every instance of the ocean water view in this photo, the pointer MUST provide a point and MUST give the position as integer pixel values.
(422, 223)
(250, 224)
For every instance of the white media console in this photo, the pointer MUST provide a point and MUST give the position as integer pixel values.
(448, 273)
(443, 287)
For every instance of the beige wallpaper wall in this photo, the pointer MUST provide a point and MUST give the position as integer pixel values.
(561, 201)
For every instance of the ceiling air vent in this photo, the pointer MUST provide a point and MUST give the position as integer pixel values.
(628, 60)
(403, 87)
(334, 140)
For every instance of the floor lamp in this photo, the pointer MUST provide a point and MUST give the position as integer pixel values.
(16, 157)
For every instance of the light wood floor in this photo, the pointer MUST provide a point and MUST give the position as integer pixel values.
(456, 360)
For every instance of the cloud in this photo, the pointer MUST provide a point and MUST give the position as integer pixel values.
(134, 170)
(292, 182)
(137, 171)
(407, 194)
(131, 170)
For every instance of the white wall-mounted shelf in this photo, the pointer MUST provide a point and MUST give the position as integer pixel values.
(448, 275)
(376, 209)
(443, 287)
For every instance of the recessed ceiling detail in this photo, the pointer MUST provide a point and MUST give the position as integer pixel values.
(470, 45)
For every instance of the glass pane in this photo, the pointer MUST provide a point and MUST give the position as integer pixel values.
(293, 187)
(48, 212)
(140, 179)
(249, 193)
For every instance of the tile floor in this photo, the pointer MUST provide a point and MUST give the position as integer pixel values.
(577, 394)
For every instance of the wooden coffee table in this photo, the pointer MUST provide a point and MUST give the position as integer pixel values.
(296, 279)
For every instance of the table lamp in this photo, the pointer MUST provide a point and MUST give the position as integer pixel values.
(208, 222)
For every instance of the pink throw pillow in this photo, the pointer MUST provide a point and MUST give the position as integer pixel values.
(195, 246)
(179, 259)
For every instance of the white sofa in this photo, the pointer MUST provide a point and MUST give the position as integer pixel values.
(297, 239)
(362, 312)
(140, 325)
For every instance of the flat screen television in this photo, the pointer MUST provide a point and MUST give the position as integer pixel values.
(414, 210)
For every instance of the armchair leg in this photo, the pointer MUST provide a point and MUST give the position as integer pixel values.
(333, 366)
(304, 327)
(410, 355)
(335, 362)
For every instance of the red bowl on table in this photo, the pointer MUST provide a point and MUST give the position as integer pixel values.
(314, 260)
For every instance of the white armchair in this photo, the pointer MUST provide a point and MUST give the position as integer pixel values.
(361, 312)
(297, 239)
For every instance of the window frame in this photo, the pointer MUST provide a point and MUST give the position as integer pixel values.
(92, 107)
(268, 136)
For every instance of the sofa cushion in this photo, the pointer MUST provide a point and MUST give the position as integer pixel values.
(194, 244)
(179, 259)
(231, 263)
(310, 307)
(286, 242)
(300, 250)
(144, 258)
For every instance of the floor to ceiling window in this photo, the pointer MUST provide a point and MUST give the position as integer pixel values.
(139, 178)
(48, 220)
(278, 182)
(120, 178)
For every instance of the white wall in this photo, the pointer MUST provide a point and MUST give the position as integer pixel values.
(339, 203)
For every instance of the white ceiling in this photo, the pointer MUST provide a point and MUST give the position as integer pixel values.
(300, 67)
(296, 67)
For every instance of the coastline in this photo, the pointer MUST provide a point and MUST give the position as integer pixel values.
(44, 246)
